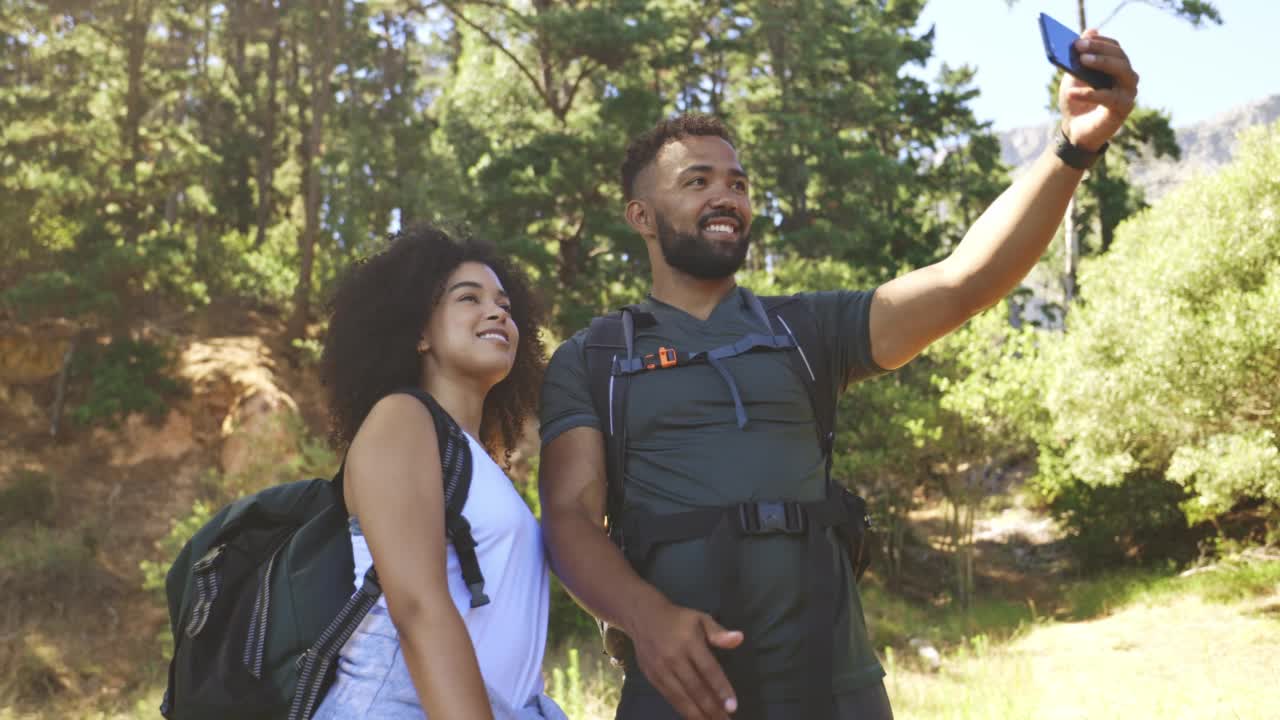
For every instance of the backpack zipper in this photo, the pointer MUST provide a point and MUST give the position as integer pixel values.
(255, 645)
(207, 583)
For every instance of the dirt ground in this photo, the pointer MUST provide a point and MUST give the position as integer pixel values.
(81, 632)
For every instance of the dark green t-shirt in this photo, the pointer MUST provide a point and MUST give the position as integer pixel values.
(685, 450)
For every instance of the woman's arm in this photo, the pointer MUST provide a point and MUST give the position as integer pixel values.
(395, 488)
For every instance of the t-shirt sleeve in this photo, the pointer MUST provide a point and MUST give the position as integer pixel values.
(844, 319)
(566, 391)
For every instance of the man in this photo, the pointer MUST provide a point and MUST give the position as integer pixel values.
(737, 427)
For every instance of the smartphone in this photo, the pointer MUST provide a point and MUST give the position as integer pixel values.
(1059, 46)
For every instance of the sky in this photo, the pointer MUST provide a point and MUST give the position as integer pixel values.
(1193, 73)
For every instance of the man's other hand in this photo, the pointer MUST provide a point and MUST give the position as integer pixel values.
(673, 648)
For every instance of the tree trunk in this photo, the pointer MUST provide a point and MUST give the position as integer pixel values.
(1071, 242)
(136, 25)
(322, 67)
(1106, 224)
(266, 153)
(1070, 233)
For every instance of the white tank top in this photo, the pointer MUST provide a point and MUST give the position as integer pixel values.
(510, 633)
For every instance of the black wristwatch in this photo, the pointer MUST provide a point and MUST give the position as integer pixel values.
(1074, 155)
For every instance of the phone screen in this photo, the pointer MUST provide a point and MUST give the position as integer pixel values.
(1059, 47)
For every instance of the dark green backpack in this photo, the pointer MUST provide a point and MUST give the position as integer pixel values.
(260, 599)
(611, 361)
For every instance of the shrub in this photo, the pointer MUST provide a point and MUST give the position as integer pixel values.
(28, 499)
(125, 376)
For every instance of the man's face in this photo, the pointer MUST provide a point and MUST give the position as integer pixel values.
(701, 206)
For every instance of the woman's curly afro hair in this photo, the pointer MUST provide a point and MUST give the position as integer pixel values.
(376, 319)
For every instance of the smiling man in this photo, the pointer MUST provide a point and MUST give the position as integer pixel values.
(698, 422)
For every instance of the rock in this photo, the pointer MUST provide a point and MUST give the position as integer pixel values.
(138, 440)
(927, 653)
(234, 378)
(259, 427)
(19, 402)
(33, 353)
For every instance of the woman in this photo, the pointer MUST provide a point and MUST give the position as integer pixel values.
(457, 321)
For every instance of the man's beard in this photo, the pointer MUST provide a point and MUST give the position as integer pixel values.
(698, 256)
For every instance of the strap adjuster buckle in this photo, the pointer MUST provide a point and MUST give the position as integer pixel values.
(772, 518)
(666, 357)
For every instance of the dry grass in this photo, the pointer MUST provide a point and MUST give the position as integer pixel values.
(1169, 656)
(1161, 646)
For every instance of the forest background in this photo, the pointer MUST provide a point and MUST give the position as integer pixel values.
(182, 182)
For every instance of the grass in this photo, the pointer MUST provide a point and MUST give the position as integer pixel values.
(1131, 644)
(581, 680)
(1183, 658)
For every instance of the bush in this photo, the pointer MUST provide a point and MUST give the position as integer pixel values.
(1169, 371)
(40, 556)
(57, 293)
(1137, 520)
(28, 499)
(124, 377)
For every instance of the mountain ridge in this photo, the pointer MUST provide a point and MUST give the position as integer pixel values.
(1206, 146)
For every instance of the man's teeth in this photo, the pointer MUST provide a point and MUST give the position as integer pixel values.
(720, 227)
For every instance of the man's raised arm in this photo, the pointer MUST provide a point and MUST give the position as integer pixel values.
(912, 311)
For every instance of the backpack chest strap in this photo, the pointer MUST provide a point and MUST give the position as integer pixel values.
(668, 357)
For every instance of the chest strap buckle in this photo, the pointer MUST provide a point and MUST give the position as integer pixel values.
(772, 518)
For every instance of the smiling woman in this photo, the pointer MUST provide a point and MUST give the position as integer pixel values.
(381, 312)
(453, 320)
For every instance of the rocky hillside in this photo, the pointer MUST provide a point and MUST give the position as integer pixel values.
(1206, 146)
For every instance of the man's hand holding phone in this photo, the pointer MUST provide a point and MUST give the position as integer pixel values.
(1092, 115)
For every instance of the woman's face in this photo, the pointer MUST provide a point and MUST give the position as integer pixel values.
(471, 335)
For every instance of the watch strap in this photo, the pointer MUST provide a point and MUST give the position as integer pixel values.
(1074, 155)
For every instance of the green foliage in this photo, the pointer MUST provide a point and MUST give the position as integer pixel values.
(1138, 520)
(1174, 355)
(56, 292)
(168, 547)
(41, 556)
(1226, 468)
(566, 685)
(1234, 578)
(125, 376)
(992, 384)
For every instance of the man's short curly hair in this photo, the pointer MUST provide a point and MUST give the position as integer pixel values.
(644, 148)
(377, 315)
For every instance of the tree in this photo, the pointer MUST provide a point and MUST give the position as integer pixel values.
(326, 19)
(1112, 197)
(1172, 374)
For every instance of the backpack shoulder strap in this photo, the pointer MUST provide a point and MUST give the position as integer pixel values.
(455, 451)
(810, 361)
(611, 337)
(314, 672)
(455, 463)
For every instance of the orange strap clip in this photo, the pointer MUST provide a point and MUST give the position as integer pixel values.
(666, 358)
